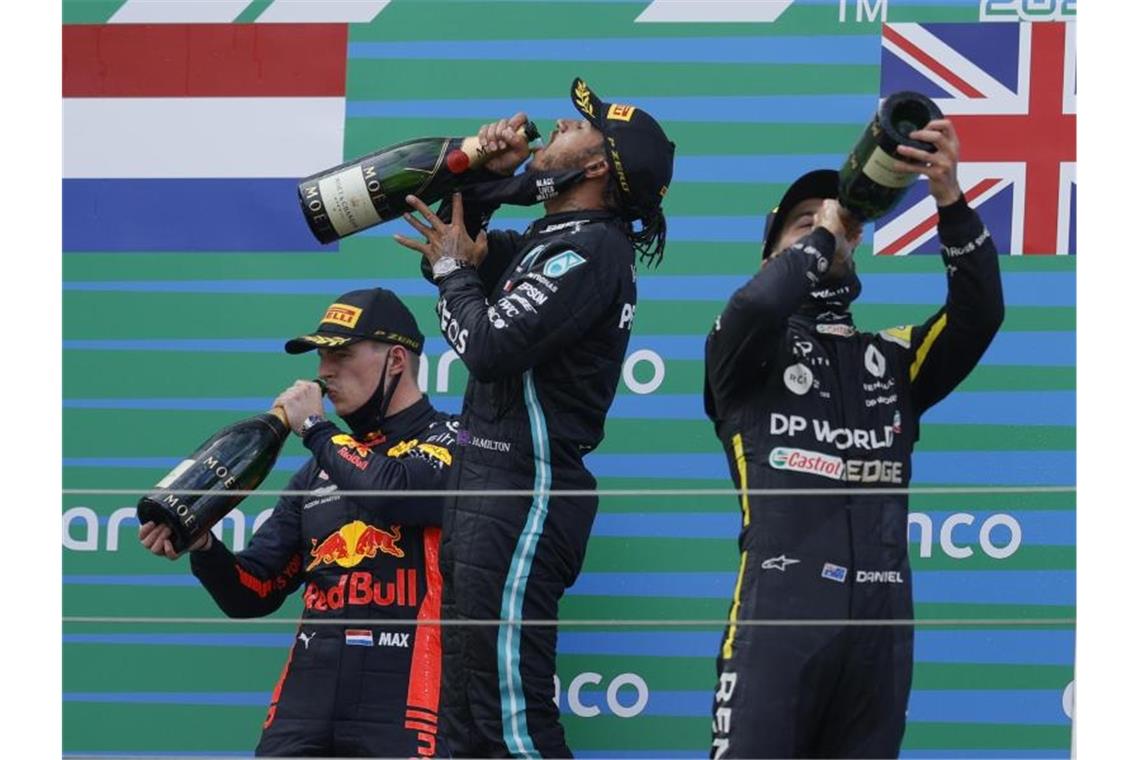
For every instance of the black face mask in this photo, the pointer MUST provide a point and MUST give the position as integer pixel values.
(369, 418)
(524, 189)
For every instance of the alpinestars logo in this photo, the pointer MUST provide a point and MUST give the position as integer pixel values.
(778, 563)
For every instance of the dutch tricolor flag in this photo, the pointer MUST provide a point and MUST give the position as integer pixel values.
(188, 137)
(355, 637)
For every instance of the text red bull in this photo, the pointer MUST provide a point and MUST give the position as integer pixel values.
(362, 588)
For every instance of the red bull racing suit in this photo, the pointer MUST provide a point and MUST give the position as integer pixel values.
(359, 690)
(800, 399)
(543, 327)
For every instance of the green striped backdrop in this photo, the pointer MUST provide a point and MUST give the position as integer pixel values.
(202, 689)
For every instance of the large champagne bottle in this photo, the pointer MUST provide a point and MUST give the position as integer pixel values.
(370, 190)
(236, 458)
(869, 186)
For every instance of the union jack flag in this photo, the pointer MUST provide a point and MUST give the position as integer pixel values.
(1010, 90)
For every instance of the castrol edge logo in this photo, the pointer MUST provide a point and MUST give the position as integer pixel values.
(342, 314)
(811, 462)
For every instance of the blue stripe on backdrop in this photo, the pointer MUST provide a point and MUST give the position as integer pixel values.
(750, 109)
(688, 229)
(993, 754)
(1044, 587)
(963, 407)
(1038, 528)
(1020, 647)
(997, 647)
(1011, 468)
(1034, 707)
(830, 3)
(847, 49)
(245, 752)
(988, 754)
(1034, 349)
(184, 215)
(1043, 528)
(1020, 288)
(940, 754)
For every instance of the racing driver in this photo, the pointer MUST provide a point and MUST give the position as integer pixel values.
(802, 399)
(359, 690)
(541, 320)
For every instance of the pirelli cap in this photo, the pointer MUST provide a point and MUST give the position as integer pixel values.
(374, 314)
(639, 151)
(821, 183)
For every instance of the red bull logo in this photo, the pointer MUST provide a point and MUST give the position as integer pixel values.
(352, 451)
(353, 543)
(348, 442)
(361, 589)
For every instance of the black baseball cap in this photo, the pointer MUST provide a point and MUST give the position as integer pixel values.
(374, 314)
(636, 145)
(821, 183)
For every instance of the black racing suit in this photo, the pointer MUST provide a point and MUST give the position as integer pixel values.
(542, 326)
(802, 400)
(351, 690)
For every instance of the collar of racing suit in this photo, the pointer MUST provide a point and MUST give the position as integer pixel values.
(830, 303)
(395, 427)
(569, 221)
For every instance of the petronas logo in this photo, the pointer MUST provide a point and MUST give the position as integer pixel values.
(561, 264)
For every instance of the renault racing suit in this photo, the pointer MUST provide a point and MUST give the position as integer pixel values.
(351, 690)
(542, 326)
(800, 399)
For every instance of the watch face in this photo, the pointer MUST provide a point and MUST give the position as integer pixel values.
(445, 266)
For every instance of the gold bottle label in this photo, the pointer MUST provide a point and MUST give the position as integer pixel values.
(346, 199)
(879, 167)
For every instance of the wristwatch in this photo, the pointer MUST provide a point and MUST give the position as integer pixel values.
(310, 422)
(445, 266)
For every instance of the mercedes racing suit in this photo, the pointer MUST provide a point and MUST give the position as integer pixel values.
(542, 326)
(361, 690)
(800, 399)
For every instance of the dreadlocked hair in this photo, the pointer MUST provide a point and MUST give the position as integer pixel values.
(648, 241)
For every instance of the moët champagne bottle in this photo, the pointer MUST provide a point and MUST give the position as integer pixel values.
(198, 493)
(869, 187)
(370, 190)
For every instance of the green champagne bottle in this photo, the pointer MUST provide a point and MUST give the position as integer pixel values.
(236, 458)
(370, 190)
(869, 186)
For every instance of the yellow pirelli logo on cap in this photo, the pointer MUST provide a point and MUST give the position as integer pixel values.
(342, 314)
(620, 112)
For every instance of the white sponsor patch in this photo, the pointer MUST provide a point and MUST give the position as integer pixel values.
(798, 378)
(843, 331)
(875, 361)
(810, 462)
